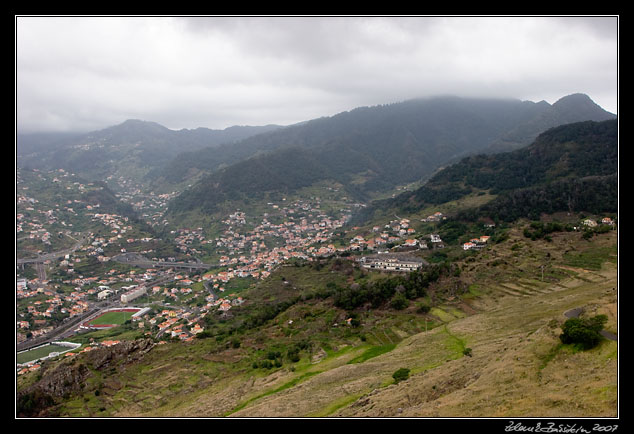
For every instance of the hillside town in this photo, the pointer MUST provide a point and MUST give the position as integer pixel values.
(246, 249)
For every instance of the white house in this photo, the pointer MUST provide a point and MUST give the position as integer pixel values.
(468, 246)
(590, 223)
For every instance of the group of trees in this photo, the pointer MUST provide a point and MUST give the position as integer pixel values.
(537, 229)
(595, 195)
(397, 290)
(391, 292)
(584, 332)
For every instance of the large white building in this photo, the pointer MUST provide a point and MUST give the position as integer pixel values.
(21, 284)
(131, 295)
(391, 262)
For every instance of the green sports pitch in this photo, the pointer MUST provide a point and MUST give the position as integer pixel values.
(113, 317)
(38, 353)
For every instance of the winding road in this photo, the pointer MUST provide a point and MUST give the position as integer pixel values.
(53, 255)
(574, 313)
(141, 261)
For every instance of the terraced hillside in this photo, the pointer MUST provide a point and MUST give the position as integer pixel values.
(517, 366)
(491, 349)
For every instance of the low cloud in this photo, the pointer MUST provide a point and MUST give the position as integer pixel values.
(83, 73)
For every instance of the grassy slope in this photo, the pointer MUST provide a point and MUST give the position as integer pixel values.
(512, 372)
(517, 369)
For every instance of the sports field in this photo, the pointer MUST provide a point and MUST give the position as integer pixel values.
(113, 317)
(40, 352)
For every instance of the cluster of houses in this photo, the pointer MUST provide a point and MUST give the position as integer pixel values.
(292, 230)
(435, 217)
(41, 304)
(32, 216)
(186, 238)
(397, 232)
(476, 243)
(302, 233)
(251, 253)
(149, 205)
(32, 294)
(593, 223)
(31, 227)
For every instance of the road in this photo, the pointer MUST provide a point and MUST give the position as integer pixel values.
(141, 261)
(69, 327)
(61, 332)
(574, 313)
(208, 286)
(53, 255)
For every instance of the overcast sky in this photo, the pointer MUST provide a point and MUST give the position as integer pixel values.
(88, 73)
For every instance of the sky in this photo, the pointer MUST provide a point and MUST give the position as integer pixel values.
(84, 73)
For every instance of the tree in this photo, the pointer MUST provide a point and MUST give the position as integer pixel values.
(400, 375)
(584, 332)
(399, 302)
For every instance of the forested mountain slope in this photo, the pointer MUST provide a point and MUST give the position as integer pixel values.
(569, 168)
(373, 149)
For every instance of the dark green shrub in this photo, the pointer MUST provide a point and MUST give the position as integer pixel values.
(399, 302)
(583, 332)
(400, 375)
(423, 308)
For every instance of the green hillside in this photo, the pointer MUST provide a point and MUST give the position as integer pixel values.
(370, 150)
(477, 333)
(134, 149)
(569, 168)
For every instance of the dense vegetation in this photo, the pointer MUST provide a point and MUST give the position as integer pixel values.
(583, 332)
(397, 290)
(569, 168)
(373, 149)
(391, 292)
(596, 195)
(252, 178)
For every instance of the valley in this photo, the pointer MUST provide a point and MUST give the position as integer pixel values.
(263, 291)
(321, 365)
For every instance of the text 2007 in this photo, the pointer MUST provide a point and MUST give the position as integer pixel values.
(607, 428)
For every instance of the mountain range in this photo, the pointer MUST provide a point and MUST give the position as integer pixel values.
(134, 147)
(368, 150)
(372, 149)
(476, 333)
(471, 335)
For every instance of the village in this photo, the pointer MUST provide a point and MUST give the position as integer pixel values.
(247, 249)
(304, 233)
